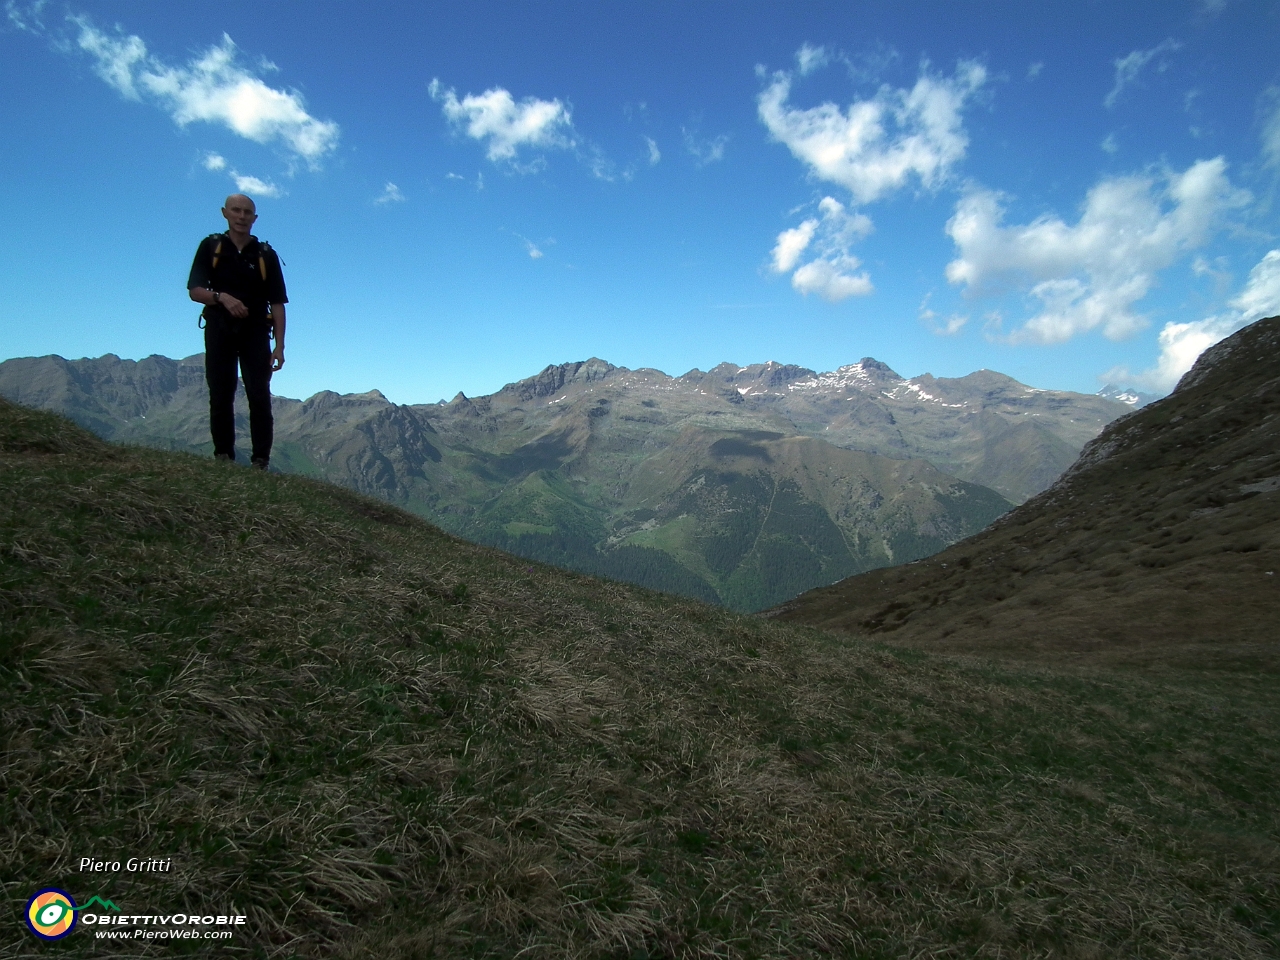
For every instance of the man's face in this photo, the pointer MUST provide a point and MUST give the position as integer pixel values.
(240, 214)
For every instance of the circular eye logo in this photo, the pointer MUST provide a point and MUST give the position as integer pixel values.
(51, 914)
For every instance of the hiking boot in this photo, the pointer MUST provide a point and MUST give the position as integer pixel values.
(223, 456)
(260, 463)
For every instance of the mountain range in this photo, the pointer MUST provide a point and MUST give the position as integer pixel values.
(740, 485)
(1160, 544)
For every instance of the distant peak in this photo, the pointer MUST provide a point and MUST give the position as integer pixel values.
(867, 374)
(1134, 398)
(871, 363)
(554, 377)
(725, 369)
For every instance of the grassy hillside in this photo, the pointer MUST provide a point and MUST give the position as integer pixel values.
(376, 740)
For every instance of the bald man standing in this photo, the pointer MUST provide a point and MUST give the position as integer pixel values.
(239, 281)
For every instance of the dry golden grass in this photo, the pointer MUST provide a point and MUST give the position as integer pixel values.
(376, 740)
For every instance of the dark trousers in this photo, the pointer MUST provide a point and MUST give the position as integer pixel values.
(247, 344)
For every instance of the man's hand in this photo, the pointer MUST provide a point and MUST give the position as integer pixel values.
(232, 305)
(277, 333)
(235, 307)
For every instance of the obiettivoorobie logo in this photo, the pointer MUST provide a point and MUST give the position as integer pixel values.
(51, 913)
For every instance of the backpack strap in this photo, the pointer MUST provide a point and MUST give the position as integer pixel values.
(263, 249)
(217, 249)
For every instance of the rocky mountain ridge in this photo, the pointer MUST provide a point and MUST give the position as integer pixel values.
(699, 484)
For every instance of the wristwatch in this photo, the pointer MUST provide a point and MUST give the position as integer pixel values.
(217, 297)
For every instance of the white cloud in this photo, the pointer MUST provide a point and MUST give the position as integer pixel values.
(1270, 111)
(654, 154)
(871, 149)
(1091, 275)
(255, 187)
(390, 194)
(1261, 295)
(1180, 346)
(830, 273)
(1218, 270)
(876, 145)
(601, 167)
(116, 57)
(810, 59)
(1034, 70)
(946, 328)
(1182, 343)
(26, 17)
(832, 279)
(1109, 144)
(213, 88)
(246, 184)
(705, 150)
(535, 253)
(1128, 67)
(869, 65)
(791, 244)
(506, 126)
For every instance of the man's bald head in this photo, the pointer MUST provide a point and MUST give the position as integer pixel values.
(240, 214)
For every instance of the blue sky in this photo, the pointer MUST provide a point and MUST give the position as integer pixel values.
(465, 193)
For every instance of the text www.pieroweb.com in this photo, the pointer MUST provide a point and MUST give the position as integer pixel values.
(138, 933)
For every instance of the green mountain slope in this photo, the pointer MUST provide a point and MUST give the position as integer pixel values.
(373, 739)
(1162, 543)
(757, 514)
(557, 467)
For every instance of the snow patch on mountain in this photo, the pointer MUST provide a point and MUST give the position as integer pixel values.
(907, 390)
(860, 375)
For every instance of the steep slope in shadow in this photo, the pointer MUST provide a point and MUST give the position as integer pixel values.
(1160, 545)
